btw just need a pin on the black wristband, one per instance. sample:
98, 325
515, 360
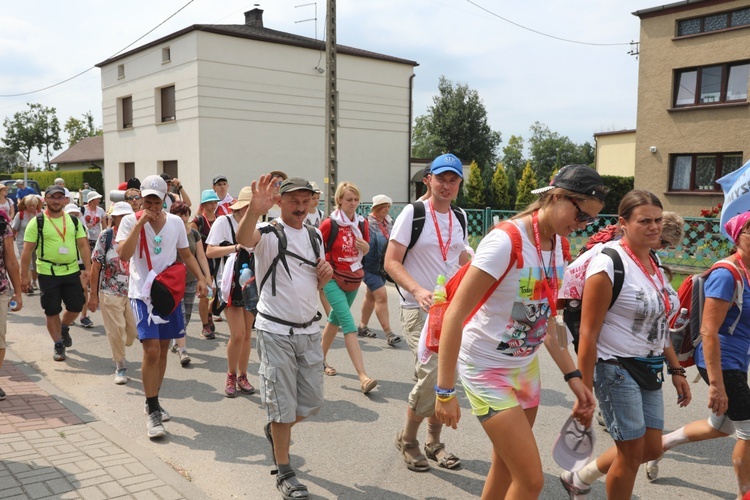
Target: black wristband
573, 374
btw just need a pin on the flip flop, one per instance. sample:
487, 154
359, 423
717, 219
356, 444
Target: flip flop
329, 370
368, 384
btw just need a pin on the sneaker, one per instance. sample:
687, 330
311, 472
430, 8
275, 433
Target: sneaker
184, 358
652, 469
86, 322
207, 332
164, 415
59, 352
576, 493
230, 388
2, 394
120, 376
34, 286
211, 324
30, 292
66, 340
154, 425
243, 385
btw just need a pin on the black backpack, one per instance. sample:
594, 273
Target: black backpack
278, 229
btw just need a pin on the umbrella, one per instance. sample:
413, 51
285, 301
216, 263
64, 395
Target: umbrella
736, 187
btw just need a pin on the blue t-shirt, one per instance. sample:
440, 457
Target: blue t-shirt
734, 348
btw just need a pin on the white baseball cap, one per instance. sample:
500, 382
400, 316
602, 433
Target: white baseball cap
154, 185
574, 445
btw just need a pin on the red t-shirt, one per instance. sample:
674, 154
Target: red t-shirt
343, 252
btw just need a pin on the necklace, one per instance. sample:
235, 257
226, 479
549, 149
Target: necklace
157, 244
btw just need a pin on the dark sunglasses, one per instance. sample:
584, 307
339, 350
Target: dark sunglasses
582, 216
135, 197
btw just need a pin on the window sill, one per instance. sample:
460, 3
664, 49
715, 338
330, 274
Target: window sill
694, 193
710, 106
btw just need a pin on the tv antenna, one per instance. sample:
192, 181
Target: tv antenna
315, 5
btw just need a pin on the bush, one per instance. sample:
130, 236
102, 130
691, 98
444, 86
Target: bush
74, 179
618, 186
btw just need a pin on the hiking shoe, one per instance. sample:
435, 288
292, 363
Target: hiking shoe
243, 385
211, 324
207, 333
154, 425
365, 332
164, 415
652, 469
86, 322
230, 388
59, 352
65, 332
34, 286
120, 376
184, 358
2, 394
392, 339
576, 493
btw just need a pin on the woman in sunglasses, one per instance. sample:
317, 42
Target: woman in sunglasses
623, 348
496, 349
133, 197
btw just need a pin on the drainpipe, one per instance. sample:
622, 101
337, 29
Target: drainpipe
408, 149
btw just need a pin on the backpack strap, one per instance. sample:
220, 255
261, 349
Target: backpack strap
278, 230
566, 249
417, 224
231, 228
739, 288
334, 232
460, 215
619, 278
108, 235
40, 237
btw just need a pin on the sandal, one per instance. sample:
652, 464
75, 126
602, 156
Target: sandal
329, 370
290, 487
368, 384
365, 332
447, 461
269, 436
392, 339
418, 463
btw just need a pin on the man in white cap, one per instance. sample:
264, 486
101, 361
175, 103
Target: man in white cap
152, 242
111, 287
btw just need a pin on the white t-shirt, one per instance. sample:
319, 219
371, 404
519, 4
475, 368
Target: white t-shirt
173, 237
424, 262
314, 218
221, 231
635, 325
93, 221
510, 327
296, 298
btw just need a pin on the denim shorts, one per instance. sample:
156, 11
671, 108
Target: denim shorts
373, 281
627, 409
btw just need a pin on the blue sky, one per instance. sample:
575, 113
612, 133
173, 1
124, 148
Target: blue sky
523, 77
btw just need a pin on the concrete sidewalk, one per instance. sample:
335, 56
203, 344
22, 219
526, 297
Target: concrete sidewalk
52, 448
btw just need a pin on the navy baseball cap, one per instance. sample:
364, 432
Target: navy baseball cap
447, 163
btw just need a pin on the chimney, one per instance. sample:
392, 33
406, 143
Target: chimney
254, 18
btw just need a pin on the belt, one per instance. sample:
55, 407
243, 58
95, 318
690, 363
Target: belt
609, 362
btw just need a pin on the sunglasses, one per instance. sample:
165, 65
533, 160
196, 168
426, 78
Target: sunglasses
582, 216
135, 197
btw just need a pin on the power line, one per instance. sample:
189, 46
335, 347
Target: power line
542, 33
113, 55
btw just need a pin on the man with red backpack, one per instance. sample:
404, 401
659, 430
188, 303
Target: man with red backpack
151, 240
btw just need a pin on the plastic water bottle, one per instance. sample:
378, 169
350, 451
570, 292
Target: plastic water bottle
12, 305
679, 330
437, 311
210, 293
245, 275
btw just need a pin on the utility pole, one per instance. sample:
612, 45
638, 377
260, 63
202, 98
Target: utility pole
331, 157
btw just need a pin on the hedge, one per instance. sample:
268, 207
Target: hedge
74, 179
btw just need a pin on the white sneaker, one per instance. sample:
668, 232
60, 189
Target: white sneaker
154, 426
121, 376
576, 493
652, 469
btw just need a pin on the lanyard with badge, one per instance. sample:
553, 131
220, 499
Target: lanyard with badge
549, 284
663, 291
443, 248
63, 250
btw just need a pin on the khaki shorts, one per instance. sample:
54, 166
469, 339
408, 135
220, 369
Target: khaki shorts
291, 375
422, 395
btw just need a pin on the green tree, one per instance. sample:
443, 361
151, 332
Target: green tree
36, 128
525, 186
514, 163
10, 160
501, 198
456, 122
80, 129
49, 127
475, 188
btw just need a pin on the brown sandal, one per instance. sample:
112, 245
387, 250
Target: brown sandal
329, 370
418, 463
447, 461
368, 384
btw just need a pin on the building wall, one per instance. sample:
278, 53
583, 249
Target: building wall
704, 130
615, 153
247, 107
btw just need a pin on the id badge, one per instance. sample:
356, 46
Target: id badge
63, 250
356, 266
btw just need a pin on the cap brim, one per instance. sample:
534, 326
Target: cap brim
542, 190
574, 445
237, 205
154, 192
301, 188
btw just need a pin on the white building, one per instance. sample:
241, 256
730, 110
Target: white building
242, 100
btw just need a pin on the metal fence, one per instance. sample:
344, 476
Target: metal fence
701, 246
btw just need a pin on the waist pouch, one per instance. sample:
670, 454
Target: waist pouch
647, 372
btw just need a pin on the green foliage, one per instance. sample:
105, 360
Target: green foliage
80, 129
550, 151
475, 188
514, 163
37, 127
618, 187
456, 123
501, 198
525, 186
74, 179
9, 160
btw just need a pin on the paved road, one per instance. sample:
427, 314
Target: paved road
347, 451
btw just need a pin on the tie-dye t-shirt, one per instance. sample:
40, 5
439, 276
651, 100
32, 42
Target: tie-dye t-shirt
511, 326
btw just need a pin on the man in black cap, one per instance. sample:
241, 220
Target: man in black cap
175, 190
62, 241
221, 187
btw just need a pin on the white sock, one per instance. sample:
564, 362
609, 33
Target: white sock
181, 349
587, 475
674, 438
